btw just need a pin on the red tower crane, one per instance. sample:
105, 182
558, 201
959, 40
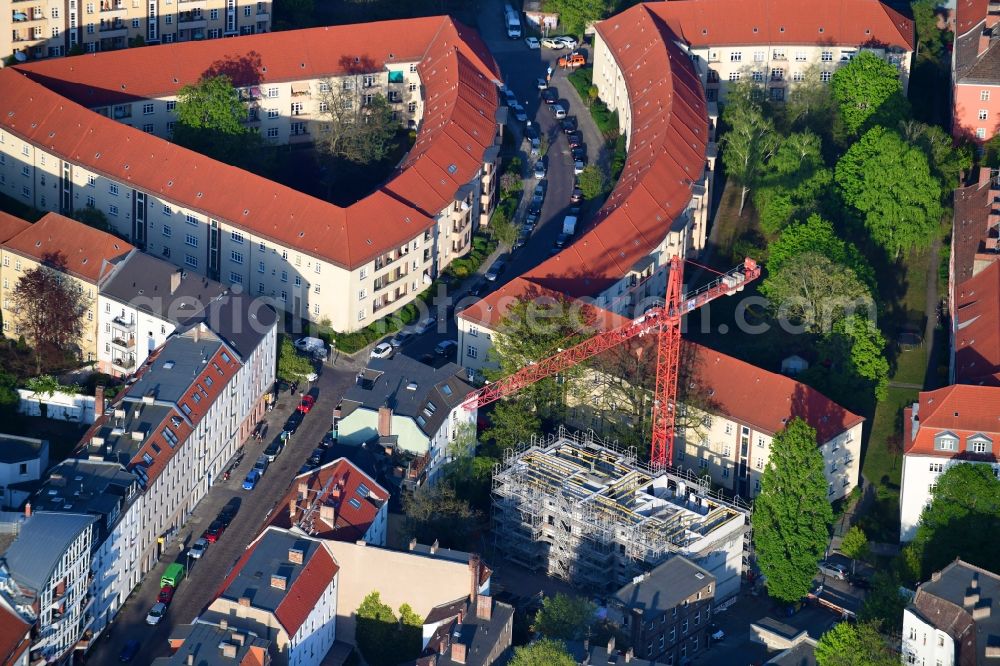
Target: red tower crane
663, 320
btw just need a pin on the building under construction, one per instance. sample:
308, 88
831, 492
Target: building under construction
592, 514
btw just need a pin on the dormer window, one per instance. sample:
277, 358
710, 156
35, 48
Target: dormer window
946, 442
979, 443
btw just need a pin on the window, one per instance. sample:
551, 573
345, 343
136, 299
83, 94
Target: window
171, 105
729, 428
758, 56
984, 95
26, 171
316, 289
213, 14
148, 109
260, 266
272, 113
703, 463
778, 54
272, 132
800, 56
91, 202
827, 56
979, 444
778, 94
168, 19
936, 467
284, 276
247, 11
777, 74
361, 315
363, 274
758, 462
946, 442
757, 76
236, 237
167, 231
760, 441
113, 189
317, 267
191, 261
147, 128
113, 211
980, 132
272, 91
734, 76
191, 239
191, 219
298, 281
983, 114
236, 278
362, 294
798, 76
283, 296
825, 76
315, 308
736, 56
472, 352
237, 257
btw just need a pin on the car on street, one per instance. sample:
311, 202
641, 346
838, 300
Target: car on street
214, 531
568, 124
522, 239
578, 167
561, 240
572, 60
273, 449
535, 207
567, 41
401, 338
833, 570
540, 169
861, 582
479, 288
229, 511
293, 422
554, 44
558, 111
519, 113
579, 153
577, 195
536, 147
129, 651
166, 594
542, 83
574, 211
425, 325
317, 456
550, 95
509, 94
530, 221
445, 347
381, 350
306, 468
495, 270
532, 42
261, 464
249, 483
156, 613
198, 549
306, 404
575, 139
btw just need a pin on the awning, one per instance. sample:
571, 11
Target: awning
300, 88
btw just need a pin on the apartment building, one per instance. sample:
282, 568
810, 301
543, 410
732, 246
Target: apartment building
23, 461
950, 620
84, 255
666, 611
15, 636
975, 80
955, 424
35, 29
578, 509
215, 645
408, 407
347, 265
44, 578
284, 590
474, 631
112, 495
337, 502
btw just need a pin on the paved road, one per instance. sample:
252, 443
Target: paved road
206, 574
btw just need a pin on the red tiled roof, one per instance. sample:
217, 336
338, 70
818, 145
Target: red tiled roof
973, 204
960, 409
703, 23
14, 636
341, 476
977, 328
456, 71
88, 251
11, 226
306, 590
969, 14
764, 400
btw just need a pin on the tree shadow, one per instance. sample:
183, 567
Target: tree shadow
243, 70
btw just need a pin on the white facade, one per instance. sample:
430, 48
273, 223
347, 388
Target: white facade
27, 468
925, 644
920, 473
127, 334
316, 635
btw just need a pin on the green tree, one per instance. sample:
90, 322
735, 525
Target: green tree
795, 182
749, 140
381, 638
502, 228
543, 652
815, 292
564, 616
810, 105
817, 235
592, 181
863, 353
294, 14
211, 119
868, 89
576, 15
10, 399
884, 604
512, 422
436, 513
848, 644
960, 521
854, 545
471, 477
791, 514
947, 161
890, 184
925, 21
292, 366
362, 132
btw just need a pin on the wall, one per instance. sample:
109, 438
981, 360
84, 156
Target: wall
315, 637
126, 335
11, 472
60, 406
968, 107
925, 643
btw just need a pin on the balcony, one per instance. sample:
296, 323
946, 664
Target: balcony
123, 342
123, 324
113, 8
27, 17
192, 20
125, 362
115, 28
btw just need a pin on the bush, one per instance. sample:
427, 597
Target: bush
581, 80
605, 119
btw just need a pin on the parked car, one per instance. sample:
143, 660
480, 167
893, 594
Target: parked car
317, 456
550, 95
579, 153
156, 613
522, 239
293, 422
568, 124
833, 570
575, 139
230, 510
214, 531
572, 60
519, 114
479, 288
530, 221
425, 325
532, 42
561, 240
445, 347
249, 483
554, 44
401, 338
495, 270
273, 449
306, 468
578, 166
861, 582
198, 549
540, 169
558, 111
129, 651
166, 595
577, 195
261, 464
536, 147
381, 350
535, 207
567, 41
306, 404
542, 83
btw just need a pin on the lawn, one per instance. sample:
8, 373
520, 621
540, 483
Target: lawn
882, 465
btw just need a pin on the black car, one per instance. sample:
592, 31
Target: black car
568, 124
129, 652
293, 422
273, 449
317, 456
575, 139
229, 511
861, 582
550, 96
577, 195
579, 153
535, 207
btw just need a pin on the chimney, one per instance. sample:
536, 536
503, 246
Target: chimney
328, 514
611, 645
244, 601
982, 611
984, 42
474, 577
295, 555
629, 653
484, 607
238, 638
224, 624
98, 401
293, 506
985, 173
190, 659
458, 652
413, 543
434, 547
444, 644
278, 581
175, 281
384, 421
229, 650
27, 509
971, 597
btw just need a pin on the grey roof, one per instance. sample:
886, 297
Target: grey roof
40, 544
665, 586
941, 601
84, 486
407, 385
270, 556
205, 641
477, 634
15, 449
241, 320
802, 653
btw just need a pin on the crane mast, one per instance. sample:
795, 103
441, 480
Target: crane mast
665, 321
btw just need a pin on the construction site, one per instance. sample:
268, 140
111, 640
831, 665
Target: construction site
590, 513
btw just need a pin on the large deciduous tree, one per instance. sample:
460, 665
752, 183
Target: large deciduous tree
292, 366
356, 130
848, 644
544, 652
576, 15
815, 234
436, 513
791, 514
868, 89
564, 616
211, 119
592, 181
794, 183
890, 184
749, 139
49, 308
383, 639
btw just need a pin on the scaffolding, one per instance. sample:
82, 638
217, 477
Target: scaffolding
590, 513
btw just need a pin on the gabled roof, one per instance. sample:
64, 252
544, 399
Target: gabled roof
15, 635
961, 410
970, 19
977, 328
11, 226
90, 253
355, 496
456, 72
970, 224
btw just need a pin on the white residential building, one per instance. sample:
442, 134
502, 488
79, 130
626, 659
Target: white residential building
23, 460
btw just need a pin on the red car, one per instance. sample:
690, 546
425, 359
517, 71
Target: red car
307, 403
214, 531
166, 594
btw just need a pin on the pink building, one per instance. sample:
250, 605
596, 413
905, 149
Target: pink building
976, 70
